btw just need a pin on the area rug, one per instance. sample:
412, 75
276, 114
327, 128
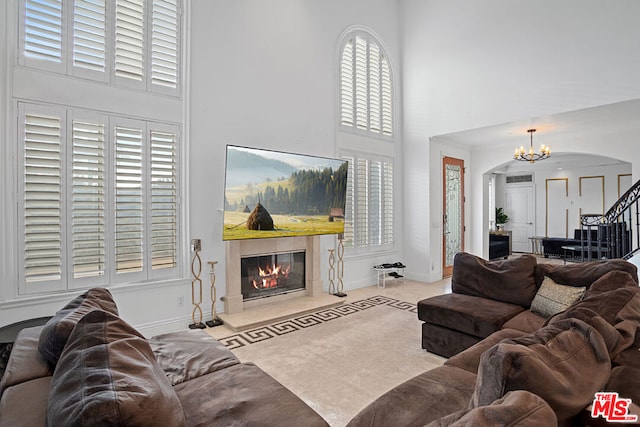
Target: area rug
340, 359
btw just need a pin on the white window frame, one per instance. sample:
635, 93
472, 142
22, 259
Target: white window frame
67, 281
367, 213
109, 76
350, 68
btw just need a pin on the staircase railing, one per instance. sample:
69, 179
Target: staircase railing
616, 234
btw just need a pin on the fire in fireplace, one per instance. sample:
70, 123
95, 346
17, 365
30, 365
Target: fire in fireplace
272, 274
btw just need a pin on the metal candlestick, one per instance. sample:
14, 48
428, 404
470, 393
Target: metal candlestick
340, 293
196, 279
215, 320
332, 271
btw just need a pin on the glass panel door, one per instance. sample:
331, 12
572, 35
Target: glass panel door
453, 212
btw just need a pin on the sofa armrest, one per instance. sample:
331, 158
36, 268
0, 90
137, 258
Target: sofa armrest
25, 363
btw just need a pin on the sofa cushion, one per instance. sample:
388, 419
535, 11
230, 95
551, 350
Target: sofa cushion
564, 363
616, 340
583, 274
517, 408
469, 359
511, 281
107, 375
25, 404
57, 330
527, 321
26, 362
554, 298
610, 281
445, 342
187, 355
420, 400
472, 315
243, 395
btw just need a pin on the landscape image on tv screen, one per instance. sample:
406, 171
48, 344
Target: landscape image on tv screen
277, 194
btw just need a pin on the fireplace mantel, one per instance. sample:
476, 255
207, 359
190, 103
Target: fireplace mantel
238, 249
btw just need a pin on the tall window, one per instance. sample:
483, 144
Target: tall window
88, 224
369, 207
97, 189
366, 90
366, 120
132, 43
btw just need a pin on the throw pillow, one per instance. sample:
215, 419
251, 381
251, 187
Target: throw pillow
511, 281
564, 363
56, 331
553, 298
107, 375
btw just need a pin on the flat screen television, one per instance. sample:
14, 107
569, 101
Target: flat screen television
276, 194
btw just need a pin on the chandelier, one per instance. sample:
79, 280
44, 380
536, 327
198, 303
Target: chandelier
531, 156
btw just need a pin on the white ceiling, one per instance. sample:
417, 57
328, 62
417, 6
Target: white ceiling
601, 122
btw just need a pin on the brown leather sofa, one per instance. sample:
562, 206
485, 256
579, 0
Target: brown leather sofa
530, 370
87, 366
488, 296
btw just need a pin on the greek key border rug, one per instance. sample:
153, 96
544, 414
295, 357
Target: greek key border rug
299, 323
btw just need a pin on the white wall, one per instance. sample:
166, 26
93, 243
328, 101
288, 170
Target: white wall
469, 64
264, 74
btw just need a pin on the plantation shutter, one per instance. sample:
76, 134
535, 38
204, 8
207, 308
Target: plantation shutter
361, 83
129, 201
387, 203
88, 200
361, 217
43, 30
375, 86
89, 34
164, 43
366, 91
42, 257
349, 205
129, 39
386, 90
346, 85
164, 201
375, 207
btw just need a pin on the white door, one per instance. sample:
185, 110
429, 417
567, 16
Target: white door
520, 207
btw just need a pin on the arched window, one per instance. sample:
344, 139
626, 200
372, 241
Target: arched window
366, 89
365, 114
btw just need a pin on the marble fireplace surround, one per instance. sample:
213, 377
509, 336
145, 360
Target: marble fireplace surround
238, 249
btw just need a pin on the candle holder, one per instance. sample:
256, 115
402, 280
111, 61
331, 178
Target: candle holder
215, 320
332, 271
196, 270
340, 293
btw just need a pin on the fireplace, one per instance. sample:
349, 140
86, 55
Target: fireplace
301, 254
272, 274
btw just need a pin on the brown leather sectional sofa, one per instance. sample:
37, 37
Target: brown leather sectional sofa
509, 365
89, 367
